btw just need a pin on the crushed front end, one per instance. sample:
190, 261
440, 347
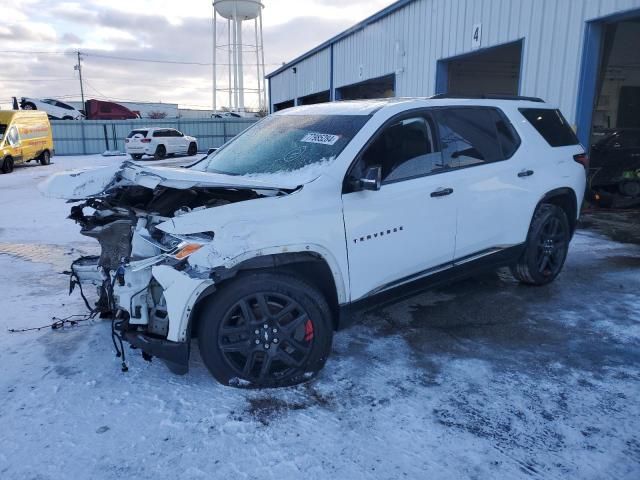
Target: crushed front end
143, 277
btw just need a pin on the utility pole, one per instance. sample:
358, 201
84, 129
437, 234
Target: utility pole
78, 67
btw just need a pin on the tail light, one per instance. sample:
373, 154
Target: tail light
582, 159
146, 140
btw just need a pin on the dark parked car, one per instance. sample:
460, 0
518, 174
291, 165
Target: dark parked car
615, 165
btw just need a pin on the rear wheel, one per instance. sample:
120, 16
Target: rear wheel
193, 149
267, 329
45, 158
7, 165
28, 106
161, 152
546, 246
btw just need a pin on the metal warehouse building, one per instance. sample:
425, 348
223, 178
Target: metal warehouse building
582, 55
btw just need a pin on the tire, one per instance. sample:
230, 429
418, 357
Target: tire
285, 351
629, 188
45, 158
192, 150
136, 156
7, 165
546, 246
161, 152
29, 106
67, 117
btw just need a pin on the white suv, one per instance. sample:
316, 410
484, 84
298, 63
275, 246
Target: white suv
262, 248
159, 142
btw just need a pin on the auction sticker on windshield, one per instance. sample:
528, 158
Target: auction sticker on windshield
323, 138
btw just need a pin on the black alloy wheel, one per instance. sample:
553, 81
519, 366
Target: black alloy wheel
546, 246
552, 247
266, 330
266, 336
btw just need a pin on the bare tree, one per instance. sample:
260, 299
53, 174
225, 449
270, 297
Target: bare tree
157, 115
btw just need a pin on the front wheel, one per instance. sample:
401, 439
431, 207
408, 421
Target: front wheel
7, 165
193, 149
546, 246
136, 156
265, 330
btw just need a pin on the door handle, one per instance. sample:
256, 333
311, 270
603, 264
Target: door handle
442, 192
525, 173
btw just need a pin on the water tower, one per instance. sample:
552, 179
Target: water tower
237, 13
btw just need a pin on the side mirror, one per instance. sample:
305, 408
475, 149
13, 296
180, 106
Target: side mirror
211, 150
372, 179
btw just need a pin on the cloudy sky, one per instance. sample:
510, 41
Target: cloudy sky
38, 39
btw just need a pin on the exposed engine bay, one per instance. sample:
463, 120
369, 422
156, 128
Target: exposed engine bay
165, 236
112, 219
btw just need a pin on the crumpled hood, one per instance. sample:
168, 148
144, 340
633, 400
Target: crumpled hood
92, 182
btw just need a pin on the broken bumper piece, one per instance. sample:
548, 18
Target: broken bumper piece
157, 302
174, 354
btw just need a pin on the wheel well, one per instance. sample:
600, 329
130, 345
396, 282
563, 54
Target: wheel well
565, 198
309, 267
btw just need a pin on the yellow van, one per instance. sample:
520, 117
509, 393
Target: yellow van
24, 136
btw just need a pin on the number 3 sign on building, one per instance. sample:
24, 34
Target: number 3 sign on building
476, 38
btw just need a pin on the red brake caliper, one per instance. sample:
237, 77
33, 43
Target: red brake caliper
308, 331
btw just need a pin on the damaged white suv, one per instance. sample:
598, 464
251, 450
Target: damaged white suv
261, 248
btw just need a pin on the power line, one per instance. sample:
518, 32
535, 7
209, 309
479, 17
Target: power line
124, 58
157, 60
33, 52
52, 79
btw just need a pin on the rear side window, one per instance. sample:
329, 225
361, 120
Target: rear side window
551, 125
160, 133
507, 136
468, 136
137, 132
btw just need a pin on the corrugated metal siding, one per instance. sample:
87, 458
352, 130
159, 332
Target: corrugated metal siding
312, 76
411, 40
88, 136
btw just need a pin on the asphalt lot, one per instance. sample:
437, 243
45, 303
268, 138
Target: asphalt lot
482, 379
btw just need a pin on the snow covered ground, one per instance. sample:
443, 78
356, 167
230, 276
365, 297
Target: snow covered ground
484, 379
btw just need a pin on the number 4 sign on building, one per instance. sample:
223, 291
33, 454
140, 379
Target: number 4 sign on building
476, 38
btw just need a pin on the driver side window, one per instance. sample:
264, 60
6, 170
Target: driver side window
405, 149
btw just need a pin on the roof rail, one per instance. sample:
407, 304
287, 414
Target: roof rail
488, 96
